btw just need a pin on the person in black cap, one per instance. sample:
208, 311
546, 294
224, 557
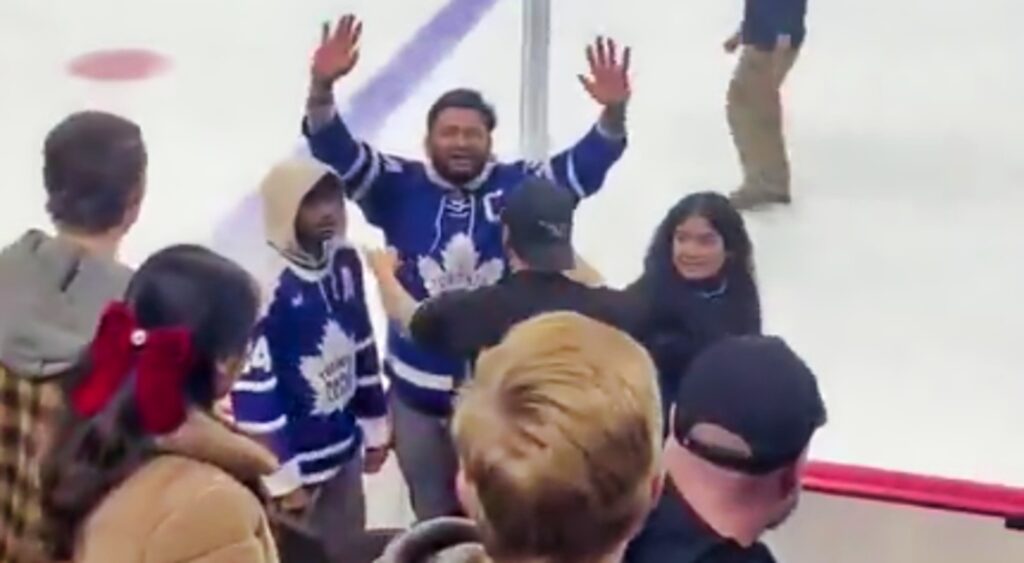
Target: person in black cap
547, 276
740, 430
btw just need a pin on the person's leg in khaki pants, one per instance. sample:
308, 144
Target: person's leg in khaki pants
754, 112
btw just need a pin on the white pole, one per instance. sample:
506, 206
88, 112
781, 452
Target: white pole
533, 96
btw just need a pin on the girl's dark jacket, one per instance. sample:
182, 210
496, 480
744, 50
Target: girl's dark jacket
685, 317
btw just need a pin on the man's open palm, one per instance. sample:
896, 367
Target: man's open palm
608, 82
338, 53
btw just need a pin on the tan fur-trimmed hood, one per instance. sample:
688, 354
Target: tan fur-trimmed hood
283, 189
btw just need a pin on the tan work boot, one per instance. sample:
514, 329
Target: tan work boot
746, 199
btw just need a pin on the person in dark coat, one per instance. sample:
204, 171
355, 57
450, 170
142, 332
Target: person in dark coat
698, 288
698, 284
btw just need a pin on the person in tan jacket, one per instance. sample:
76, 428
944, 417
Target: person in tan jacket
141, 469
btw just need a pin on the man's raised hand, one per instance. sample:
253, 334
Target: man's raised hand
338, 53
608, 81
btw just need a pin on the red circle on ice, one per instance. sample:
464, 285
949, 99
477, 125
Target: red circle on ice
119, 65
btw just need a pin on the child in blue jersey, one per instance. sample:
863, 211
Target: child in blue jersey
443, 218
312, 388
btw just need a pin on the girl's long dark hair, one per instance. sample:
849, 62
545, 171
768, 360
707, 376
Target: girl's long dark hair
182, 286
724, 218
681, 322
743, 311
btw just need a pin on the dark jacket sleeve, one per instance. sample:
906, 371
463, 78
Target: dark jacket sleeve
787, 16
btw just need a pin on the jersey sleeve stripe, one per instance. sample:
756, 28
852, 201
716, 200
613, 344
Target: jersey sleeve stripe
359, 162
421, 378
370, 380
369, 178
263, 427
259, 386
574, 181
329, 451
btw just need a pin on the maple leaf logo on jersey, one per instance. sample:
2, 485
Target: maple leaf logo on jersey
458, 268
331, 372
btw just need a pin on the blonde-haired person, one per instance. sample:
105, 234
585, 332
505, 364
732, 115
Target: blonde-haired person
558, 438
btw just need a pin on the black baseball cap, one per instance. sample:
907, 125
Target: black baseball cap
538, 215
758, 389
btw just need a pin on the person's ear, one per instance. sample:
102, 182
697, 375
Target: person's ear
657, 485
466, 493
789, 480
134, 208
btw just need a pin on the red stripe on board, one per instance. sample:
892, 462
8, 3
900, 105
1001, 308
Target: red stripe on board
915, 490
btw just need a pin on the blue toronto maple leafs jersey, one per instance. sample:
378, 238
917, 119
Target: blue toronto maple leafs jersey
313, 374
447, 237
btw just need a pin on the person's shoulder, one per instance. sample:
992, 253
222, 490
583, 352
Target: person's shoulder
205, 510
173, 491
196, 482
627, 298
506, 175
36, 256
439, 539
408, 168
278, 284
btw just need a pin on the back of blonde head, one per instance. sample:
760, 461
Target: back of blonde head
559, 438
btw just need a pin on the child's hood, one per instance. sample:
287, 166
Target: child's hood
283, 189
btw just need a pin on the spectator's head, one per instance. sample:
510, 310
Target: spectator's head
94, 171
321, 215
537, 219
459, 127
743, 419
558, 437
303, 207
210, 297
702, 237
177, 343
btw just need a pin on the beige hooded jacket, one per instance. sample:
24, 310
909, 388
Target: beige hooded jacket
283, 190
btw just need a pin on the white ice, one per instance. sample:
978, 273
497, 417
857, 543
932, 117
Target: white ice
897, 273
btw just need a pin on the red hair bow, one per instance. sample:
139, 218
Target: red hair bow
160, 360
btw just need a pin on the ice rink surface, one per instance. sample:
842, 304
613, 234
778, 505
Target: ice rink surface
898, 272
